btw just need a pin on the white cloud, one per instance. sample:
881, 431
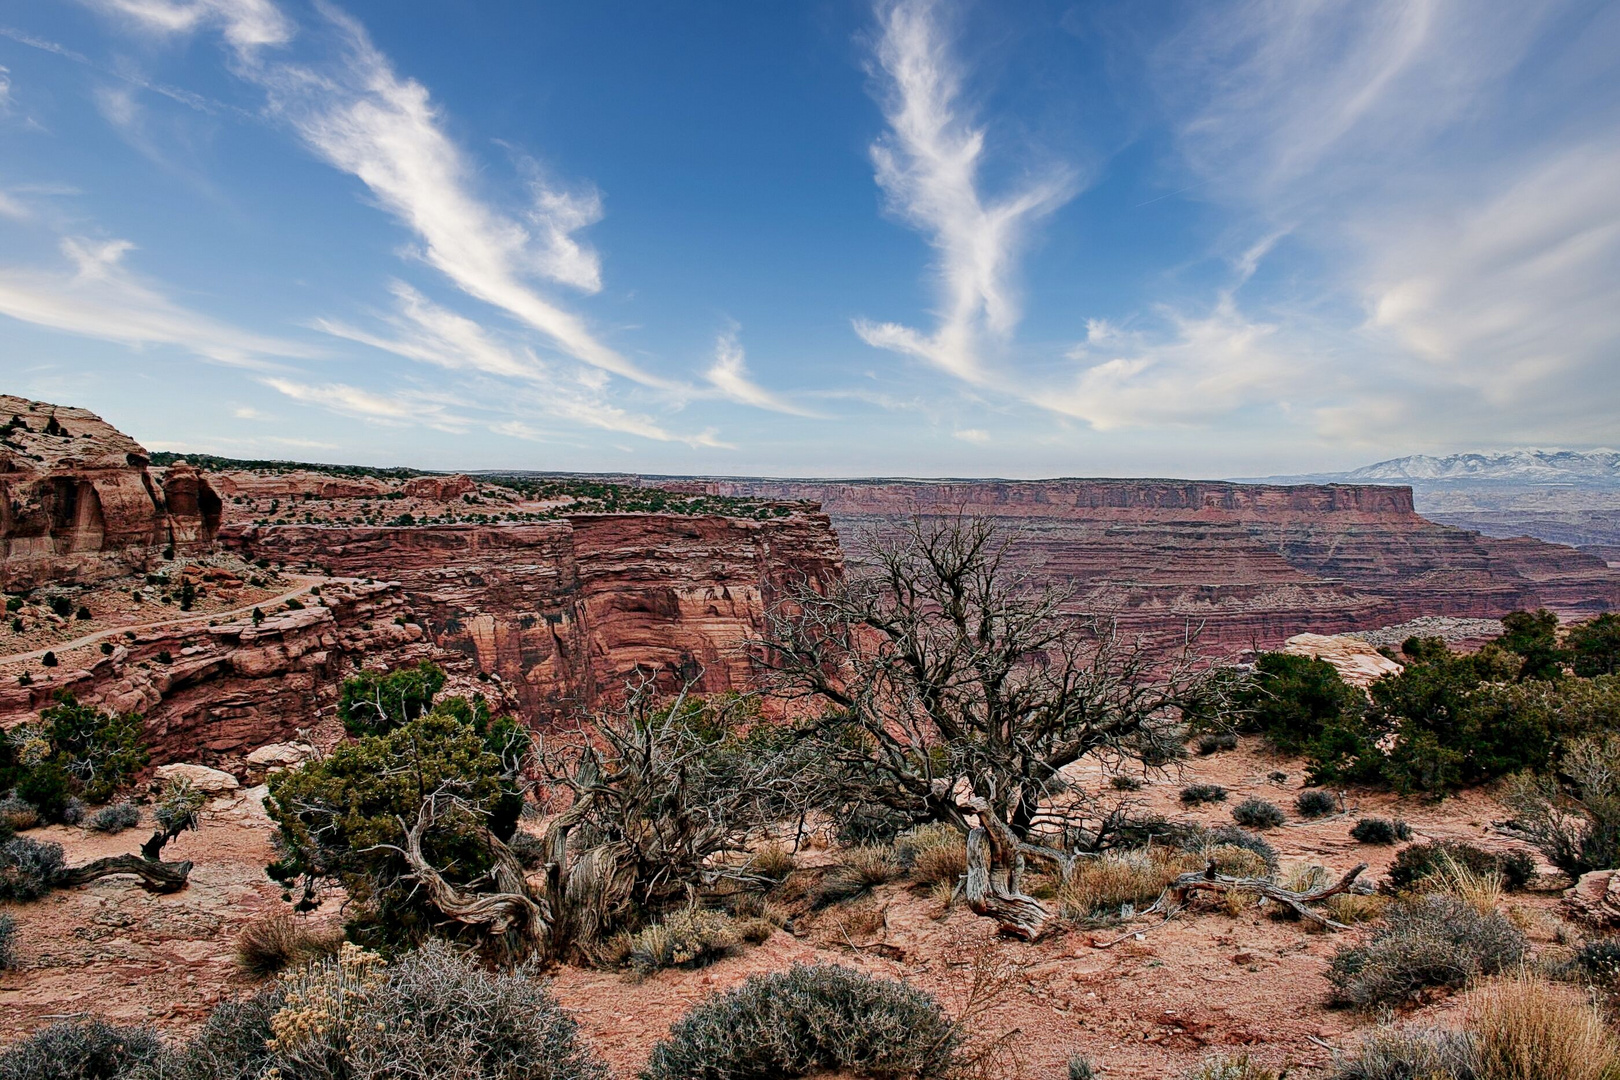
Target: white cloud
928, 166
729, 375
1199, 369
431, 334
102, 299
247, 25
976, 436
364, 119
398, 409
5, 89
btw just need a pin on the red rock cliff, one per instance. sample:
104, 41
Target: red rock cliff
78, 503
1249, 563
562, 612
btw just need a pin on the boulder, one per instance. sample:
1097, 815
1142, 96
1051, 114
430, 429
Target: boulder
277, 757
1594, 900
210, 782
1357, 662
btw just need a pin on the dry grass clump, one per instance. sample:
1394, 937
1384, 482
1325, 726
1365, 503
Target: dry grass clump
1530, 1029
1105, 887
1435, 941
84, 1049
1411, 1054
1479, 889
687, 939
773, 861
1234, 861
935, 852
859, 871
1352, 908
270, 944
1221, 1067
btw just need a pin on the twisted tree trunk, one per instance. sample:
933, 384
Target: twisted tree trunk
995, 868
156, 876
510, 913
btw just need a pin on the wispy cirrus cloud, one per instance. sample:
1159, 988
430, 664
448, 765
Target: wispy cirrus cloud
729, 375
101, 298
363, 118
928, 165
394, 409
247, 25
429, 333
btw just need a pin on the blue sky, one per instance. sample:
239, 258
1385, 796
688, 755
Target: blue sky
921, 237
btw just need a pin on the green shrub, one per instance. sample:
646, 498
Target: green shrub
1378, 830
1197, 794
1214, 741
1204, 841
73, 750
1432, 941
8, 932
1411, 1054
439, 1014
1125, 782
373, 703
807, 1020
1415, 865
1315, 803
1594, 647
334, 813
28, 868
116, 817
1258, 814
1598, 961
82, 1050
231, 1044
1291, 699
1080, 1068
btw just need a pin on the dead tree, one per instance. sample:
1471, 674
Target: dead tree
662, 797
176, 812
954, 689
1209, 881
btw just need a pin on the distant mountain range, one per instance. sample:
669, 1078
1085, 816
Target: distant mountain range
1534, 468
1563, 496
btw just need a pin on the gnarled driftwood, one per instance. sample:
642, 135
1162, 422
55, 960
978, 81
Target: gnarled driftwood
1209, 881
156, 876
994, 886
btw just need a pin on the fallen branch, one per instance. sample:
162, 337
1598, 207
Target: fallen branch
156, 876
1210, 881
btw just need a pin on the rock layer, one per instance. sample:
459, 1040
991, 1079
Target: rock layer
562, 613
1245, 564
211, 694
78, 503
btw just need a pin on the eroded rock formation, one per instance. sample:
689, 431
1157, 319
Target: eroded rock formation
1249, 564
562, 612
211, 694
79, 504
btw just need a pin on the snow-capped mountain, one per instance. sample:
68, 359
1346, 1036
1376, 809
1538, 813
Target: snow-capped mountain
1578, 467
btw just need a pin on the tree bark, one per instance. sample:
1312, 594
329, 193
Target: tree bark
994, 868
156, 875
1209, 881
509, 912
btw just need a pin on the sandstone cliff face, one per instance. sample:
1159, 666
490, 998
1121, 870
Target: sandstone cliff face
212, 694
561, 613
1251, 564
78, 503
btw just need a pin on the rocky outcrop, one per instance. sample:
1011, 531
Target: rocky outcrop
79, 504
1594, 900
561, 613
1357, 662
212, 694
439, 488
1244, 564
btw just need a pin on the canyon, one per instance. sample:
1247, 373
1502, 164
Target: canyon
1239, 565
547, 596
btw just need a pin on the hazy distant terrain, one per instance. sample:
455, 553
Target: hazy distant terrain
1563, 496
